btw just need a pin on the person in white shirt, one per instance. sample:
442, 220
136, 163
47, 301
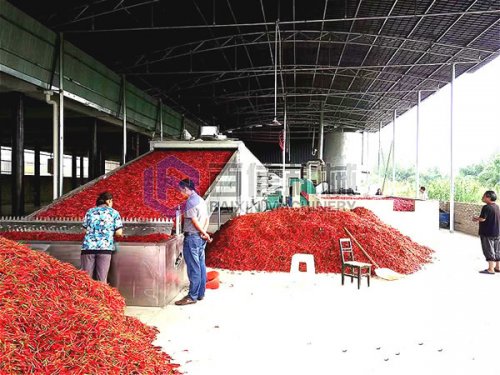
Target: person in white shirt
422, 194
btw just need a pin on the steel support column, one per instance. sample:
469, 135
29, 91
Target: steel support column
137, 145
17, 185
102, 163
60, 157
55, 141
379, 146
393, 152
321, 132
367, 157
93, 156
452, 173
363, 141
124, 136
276, 71
161, 120
82, 169
1, 176
283, 155
417, 151
37, 180
74, 179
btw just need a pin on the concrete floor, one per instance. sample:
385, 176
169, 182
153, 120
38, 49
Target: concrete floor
441, 320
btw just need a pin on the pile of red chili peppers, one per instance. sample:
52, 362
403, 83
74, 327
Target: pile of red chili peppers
55, 320
266, 241
404, 204
54, 236
128, 185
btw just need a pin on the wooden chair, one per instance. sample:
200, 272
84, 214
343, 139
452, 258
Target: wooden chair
351, 268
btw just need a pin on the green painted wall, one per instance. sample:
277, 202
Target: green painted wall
29, 51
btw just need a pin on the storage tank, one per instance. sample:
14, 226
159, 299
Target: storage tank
342, 156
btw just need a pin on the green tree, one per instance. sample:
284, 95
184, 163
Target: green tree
431, 174
471, 170
470, 183
405, 174
490, 175
467, 190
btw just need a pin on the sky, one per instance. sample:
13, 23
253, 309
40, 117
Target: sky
476, 124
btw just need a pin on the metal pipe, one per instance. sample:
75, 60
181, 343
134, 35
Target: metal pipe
82, 174
74, 180
119, 8
321, 139
1, 177
452, 174
289, 142
367, 158
60, 158
305, 69
301, 22
363, 140
379, 146
124, 138
55, 138
161, 120
393, 151
305, 37
314, 150
283, 154
276, 72
93, 156
417, 171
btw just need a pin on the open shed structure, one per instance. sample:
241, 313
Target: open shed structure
115, 96
158, 68
354, 61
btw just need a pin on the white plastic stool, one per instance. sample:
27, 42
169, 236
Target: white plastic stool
308, 259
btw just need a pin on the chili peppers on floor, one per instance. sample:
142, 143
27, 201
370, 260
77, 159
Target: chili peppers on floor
55, 320
266, 241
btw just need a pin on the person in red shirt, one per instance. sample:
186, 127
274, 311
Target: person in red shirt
489, 232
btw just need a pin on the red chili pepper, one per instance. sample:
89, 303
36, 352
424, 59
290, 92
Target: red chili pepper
266, 241
75, 325
128, 185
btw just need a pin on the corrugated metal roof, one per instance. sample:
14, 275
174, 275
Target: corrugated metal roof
359, 60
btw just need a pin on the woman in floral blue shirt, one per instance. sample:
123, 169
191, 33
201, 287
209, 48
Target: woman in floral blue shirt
101, 224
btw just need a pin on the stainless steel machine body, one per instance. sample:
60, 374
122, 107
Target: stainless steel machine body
145, 274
